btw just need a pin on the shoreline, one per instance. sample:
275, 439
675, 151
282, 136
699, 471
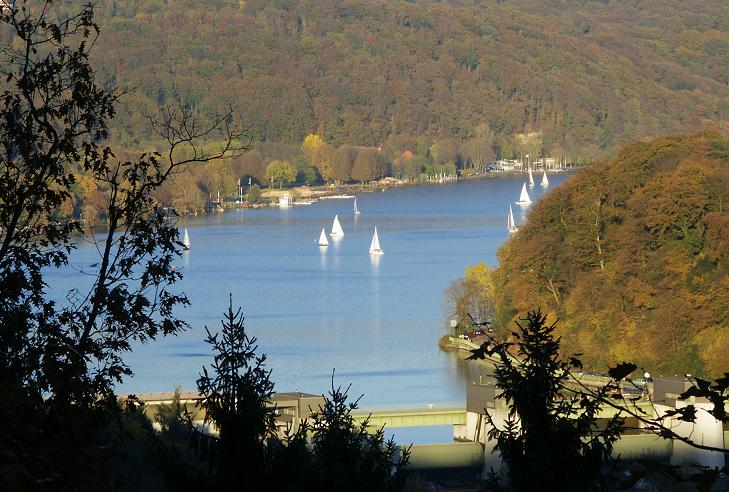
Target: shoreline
307, 195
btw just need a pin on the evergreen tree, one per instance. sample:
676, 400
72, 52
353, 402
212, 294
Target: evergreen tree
236, 397
343, 454
550, 440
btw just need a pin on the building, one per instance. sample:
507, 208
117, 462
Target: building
285, 201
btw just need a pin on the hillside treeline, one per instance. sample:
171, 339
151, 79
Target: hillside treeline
633, 257
266, 165
584, 76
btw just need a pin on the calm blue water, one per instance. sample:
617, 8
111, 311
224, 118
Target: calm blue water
376, 320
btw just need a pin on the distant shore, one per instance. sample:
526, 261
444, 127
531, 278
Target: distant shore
270, 196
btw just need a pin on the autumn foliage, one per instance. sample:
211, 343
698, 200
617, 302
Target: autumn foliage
633, 256
591, 75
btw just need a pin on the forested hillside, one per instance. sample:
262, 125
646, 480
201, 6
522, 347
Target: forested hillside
633, 256
588, 75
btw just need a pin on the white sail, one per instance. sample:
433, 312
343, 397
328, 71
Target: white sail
375, 248
337, 227
186, 240
356, 210
531, 178
323, 238
545, 181
524, 198
510, 221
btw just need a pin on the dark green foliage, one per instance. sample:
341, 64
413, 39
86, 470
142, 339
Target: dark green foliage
343, 454
550, 440
236, 396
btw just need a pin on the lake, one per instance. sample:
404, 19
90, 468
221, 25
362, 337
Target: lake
376, 320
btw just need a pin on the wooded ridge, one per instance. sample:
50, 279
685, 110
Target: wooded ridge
586, 76
633, 257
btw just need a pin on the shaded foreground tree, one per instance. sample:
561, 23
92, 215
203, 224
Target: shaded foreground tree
335, 452
59, 361
236, 396
550, 440
332, 451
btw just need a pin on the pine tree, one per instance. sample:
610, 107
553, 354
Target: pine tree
236, 395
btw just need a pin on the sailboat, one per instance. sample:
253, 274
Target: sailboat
323, 238
356, 210
186, 240
337, 227
531, 179
545, 181
524, 198
375, 248
510, 222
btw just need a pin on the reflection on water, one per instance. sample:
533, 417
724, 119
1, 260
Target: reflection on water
323, 257
376, 319
186, 258
469, 371
375, 263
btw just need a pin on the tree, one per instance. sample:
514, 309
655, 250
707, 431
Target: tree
407, 165
323, 160
549, 440
550, 407
343, 454
305, 173
662, 201
443, 152
281, 171
369, 164
60, 361
251, 165
342, 163
471, 298
311, 144
478, 150
236, 394
254, 193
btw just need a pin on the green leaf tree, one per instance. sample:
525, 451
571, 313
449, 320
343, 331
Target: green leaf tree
281, 171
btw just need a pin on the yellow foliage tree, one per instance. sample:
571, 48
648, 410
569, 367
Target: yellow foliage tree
472, 297
482, 276
311, 144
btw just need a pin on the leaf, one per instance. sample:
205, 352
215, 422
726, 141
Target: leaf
685, 414
622, 370
480, 353
703, 385
692, 391
722, 384
718, 412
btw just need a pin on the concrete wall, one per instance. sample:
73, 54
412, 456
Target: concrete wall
635, 446
706, 431
454, 455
